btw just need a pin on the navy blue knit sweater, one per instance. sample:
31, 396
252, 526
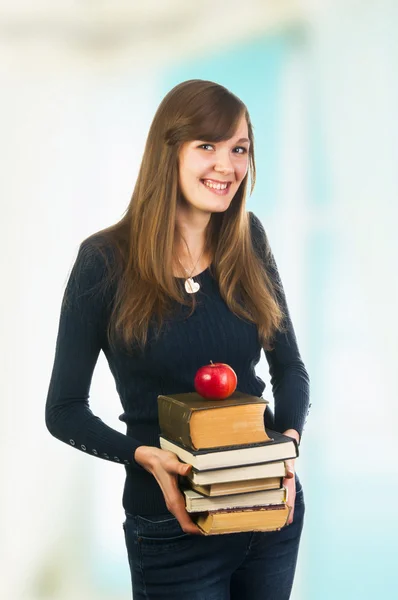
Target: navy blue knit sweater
166, 366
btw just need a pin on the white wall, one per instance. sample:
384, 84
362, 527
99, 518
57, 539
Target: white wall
75, 109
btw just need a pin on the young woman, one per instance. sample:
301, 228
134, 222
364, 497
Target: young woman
185, 277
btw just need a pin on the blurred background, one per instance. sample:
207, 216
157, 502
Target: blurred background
80, 82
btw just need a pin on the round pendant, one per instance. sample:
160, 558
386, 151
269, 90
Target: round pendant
191, 286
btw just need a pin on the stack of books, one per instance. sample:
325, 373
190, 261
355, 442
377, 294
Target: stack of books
237, 465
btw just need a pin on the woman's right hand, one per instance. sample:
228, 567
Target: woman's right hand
166, 467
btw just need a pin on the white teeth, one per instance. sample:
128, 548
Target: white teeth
216, 186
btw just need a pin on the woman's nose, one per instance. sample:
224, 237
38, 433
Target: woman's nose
223, 166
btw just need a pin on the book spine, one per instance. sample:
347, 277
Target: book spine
174, 421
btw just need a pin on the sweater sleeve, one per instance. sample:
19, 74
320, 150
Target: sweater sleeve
82, 329
289, 377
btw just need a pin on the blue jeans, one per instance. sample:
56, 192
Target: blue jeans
167, 563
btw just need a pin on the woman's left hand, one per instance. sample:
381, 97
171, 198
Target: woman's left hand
289, 482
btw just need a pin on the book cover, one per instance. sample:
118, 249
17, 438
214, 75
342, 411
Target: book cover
237, 487
268, 518
236, 474
198, 423
196, 502
279, 447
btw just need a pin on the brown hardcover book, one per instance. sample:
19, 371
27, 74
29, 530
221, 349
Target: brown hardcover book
196, 502
198, 424
237, 487
268, 518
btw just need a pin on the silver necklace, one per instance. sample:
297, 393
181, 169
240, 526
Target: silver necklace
190, 284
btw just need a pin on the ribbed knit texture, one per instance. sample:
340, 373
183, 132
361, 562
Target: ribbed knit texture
167, 366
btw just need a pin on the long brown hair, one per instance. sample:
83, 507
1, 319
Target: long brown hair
144, 239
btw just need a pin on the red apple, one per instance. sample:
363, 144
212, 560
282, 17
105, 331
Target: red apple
215, 381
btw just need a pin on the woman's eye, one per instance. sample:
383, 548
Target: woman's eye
237, 150
240, 149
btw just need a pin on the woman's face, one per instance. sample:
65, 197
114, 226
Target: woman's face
210, 173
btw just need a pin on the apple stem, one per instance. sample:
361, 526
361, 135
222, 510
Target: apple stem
211, 362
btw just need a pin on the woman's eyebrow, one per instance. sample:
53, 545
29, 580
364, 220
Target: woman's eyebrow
240, 141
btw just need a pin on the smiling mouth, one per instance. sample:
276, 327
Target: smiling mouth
217, 188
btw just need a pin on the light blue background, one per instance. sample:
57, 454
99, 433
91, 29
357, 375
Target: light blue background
345, 552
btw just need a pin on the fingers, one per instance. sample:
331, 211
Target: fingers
183, 469
290, 485
179, 511
289, 469
171, 463
174, 499
289, 474
166, 467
